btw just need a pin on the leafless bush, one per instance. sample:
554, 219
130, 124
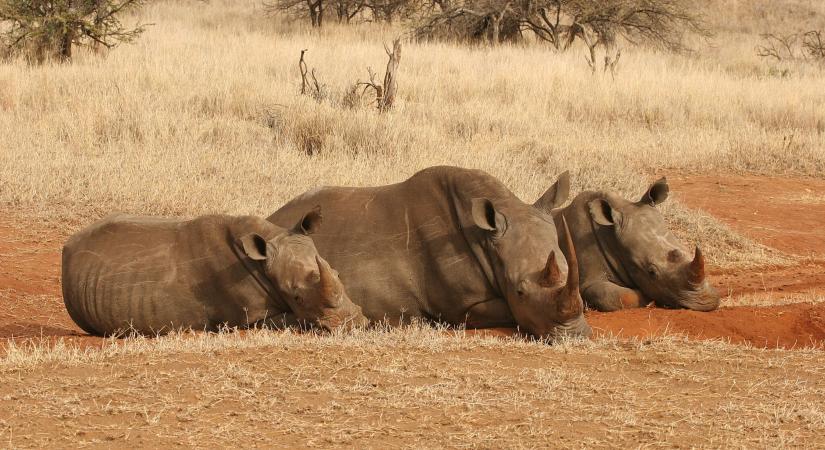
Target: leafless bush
309, 82
384, 94
813, 45
778, 47
804, 46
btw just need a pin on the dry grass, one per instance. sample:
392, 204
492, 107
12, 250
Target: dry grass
202, 115
416, 387
773, 298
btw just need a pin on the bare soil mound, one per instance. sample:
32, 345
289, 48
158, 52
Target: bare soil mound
786, 214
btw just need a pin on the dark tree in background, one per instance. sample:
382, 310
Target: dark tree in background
50, 28
314, 9
659, 23
345, 10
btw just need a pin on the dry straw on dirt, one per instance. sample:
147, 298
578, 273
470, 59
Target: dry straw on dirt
413, 387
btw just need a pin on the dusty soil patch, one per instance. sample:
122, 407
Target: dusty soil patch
787, 214
807, 276
30, 300
29, 256
412, 388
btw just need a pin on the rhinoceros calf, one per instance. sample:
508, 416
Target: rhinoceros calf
452, 245
152, 275
628, 257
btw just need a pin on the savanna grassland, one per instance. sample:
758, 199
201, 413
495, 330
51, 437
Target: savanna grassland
203, 114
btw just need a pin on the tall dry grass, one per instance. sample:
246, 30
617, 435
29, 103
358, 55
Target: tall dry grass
202, 114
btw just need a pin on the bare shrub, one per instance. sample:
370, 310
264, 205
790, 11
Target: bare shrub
813, 45
804, 46
778, 47
384, 94
309, 82
42, 29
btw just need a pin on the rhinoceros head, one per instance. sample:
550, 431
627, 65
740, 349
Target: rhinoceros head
650, 254
305, 280
540, 285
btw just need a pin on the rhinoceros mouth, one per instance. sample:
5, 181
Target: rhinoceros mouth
577, 328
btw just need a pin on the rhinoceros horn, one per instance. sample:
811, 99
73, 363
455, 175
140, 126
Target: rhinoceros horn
329, 292
551, 274
571, 290
696, 270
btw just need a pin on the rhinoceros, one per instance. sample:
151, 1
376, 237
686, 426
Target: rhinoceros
628, 257
153, 275
450, 245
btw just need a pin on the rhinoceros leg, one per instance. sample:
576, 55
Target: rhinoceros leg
489, 314
606, 296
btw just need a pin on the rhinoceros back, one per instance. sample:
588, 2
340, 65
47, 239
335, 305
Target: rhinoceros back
401, 248
125, 273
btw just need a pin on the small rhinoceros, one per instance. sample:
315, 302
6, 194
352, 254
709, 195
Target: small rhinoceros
154, 275
628, 257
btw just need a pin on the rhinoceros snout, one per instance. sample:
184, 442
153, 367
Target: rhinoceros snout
707, 300
577, 328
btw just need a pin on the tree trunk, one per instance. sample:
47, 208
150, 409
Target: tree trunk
390, 81
65, 49
314, 13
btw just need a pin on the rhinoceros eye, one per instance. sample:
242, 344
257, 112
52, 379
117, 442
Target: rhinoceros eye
653, 271
521, 290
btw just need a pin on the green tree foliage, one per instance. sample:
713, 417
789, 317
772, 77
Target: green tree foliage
44, 29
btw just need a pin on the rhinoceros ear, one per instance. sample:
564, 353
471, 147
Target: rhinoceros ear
656, 193
254, 246
556, 195
487, 218
310, 223
603, 213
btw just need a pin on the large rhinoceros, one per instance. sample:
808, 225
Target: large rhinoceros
152, 275
452, 245
628, 257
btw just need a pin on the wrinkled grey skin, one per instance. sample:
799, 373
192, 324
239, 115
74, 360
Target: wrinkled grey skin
628, 257
151, 276
451, 245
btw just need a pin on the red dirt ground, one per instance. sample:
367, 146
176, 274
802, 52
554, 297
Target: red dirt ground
787, 214
31, 306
